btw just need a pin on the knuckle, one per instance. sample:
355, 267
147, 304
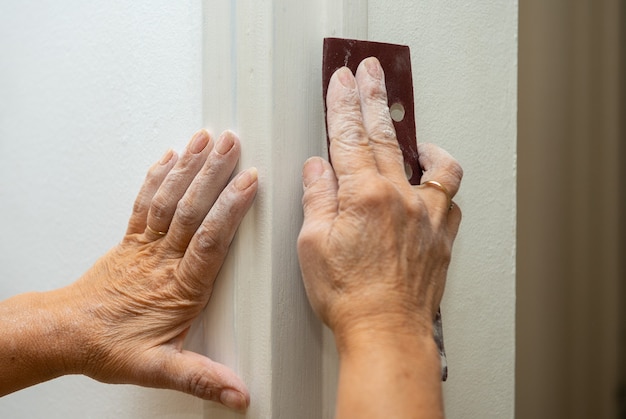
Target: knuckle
382, 128
309, 238
152, 177
187, 213
340, 102
383, 197
347, 125
140, 205
453, 174
312, 197
379, 193
207, 242
201, 386
455, 170
384, 135
160, 206
415, 208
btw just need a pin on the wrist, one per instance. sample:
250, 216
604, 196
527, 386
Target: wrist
37, 342
409, 332
356, 325
61, 331
398, 367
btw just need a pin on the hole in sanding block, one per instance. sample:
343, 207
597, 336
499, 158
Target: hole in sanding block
408, 170
397, 112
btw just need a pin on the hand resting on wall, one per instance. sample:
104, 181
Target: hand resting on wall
125, 320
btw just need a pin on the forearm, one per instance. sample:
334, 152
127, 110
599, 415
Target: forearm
34, 340
389, 375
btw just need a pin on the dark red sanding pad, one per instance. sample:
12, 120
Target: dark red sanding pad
396, 62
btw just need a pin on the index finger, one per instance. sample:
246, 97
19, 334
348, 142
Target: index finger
350, 149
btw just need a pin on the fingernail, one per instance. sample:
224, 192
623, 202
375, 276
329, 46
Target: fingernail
166, 157
346, 78
225, 142
313, 170
199, 141
246, 179
233, 399
373, 68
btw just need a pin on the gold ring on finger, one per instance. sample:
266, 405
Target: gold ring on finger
443, 189
155, 232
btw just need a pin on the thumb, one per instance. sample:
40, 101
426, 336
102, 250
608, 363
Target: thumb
320, 190
198, 375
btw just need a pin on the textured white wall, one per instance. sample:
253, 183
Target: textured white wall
91, 93
464, 56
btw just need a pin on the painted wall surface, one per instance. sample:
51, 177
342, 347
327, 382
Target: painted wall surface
464, 57
91, 94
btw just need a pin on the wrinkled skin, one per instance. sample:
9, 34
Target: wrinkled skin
372, 244
140, 299
373, 249
374, 252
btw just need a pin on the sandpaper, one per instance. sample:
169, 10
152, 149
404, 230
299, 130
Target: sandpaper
396, 63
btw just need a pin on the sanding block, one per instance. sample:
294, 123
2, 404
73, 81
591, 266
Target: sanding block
396, 63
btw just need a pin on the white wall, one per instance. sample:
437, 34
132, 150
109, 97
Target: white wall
464, 56
91, 94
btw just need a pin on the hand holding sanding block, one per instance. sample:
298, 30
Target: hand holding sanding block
396, 63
